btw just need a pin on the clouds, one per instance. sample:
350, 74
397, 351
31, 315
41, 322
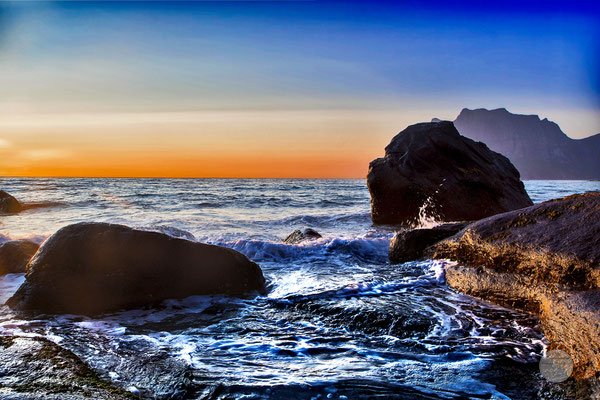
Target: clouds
43, 154
4, 144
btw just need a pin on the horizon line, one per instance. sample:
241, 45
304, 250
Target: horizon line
169, 177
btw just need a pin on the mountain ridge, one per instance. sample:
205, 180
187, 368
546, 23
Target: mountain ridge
537, 147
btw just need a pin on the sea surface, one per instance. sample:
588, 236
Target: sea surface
337, 322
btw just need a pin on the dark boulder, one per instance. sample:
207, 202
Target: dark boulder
92, 268
8, 204
457, 178
545, 259
299, 236
15, 254
410, 245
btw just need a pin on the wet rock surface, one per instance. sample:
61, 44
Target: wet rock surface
15, 254
8, 204
409, 245
543, 259
93, 268
432, 164
35, 368
299, 236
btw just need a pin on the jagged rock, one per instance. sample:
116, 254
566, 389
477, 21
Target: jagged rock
15, 254
92, 268
544, 259
35, 368
8, 204
431, 164
299, 236
409, 245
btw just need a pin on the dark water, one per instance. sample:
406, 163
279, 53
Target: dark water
338, 321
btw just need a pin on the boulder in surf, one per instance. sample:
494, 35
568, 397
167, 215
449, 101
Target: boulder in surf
300, 236
8, 204
93, 268
430, 165
15, 254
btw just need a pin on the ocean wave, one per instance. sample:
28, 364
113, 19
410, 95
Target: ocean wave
364, 248
170, 230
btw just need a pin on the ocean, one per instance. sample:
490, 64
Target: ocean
338, 320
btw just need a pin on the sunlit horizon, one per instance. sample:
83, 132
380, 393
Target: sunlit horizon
272, 90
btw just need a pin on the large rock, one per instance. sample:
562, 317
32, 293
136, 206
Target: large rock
432, 165
410, 245
15, 254
8, 204
545, 259
92, 268
35, 368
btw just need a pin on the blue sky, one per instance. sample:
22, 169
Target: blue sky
405, 60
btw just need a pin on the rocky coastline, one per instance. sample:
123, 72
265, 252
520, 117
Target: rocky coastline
542, 259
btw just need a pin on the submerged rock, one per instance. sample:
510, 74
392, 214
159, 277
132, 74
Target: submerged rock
544, 259
35, 368
299, 236
8, 204
92, 268
15, 254
410, 245
457, 178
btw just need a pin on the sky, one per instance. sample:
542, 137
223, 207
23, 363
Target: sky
272, 89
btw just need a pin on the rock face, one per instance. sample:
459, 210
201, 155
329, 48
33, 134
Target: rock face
432, 164
544, 259
8, 204
409, 245
299, 236
15, 254
538, 148
35, 368
92, 268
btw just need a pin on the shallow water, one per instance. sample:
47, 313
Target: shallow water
337, 322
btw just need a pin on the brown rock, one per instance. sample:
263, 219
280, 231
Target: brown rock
92, 268
15, 254
8, 204
409, 245
544, 259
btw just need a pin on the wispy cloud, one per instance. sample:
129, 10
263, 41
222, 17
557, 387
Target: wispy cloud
4, 144
44, 154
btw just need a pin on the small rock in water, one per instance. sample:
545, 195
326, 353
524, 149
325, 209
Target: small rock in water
410, 245
8, 204
15, 254
299, 236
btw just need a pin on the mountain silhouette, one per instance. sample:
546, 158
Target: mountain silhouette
538, 148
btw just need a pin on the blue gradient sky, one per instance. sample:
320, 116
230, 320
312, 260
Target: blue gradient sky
65, 67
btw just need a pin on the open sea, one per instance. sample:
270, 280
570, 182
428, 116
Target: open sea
338, 321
